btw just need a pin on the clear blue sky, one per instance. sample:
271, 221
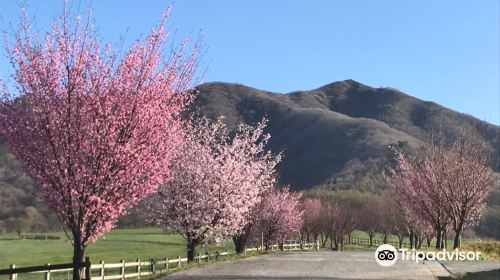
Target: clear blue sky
442, 51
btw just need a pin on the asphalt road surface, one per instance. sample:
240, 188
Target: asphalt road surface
314, 265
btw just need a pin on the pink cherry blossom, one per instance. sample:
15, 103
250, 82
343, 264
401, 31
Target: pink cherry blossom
94, 129
311, 227
278, 216
217, 182
446, 186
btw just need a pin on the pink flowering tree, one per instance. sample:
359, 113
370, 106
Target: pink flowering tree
369, 219
400, 220
278, 215
339, 220
406, 222
444, 186
94, 130
311, 227
468, 184
217, 182
415, 183
423, 230
241, 238
387, 213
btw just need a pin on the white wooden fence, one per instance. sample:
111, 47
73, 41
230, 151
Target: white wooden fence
140, 268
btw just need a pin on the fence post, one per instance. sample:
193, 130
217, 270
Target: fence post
101, 270
47, 273
166, 264
208, 256
14, 275
88, 273
178, 261
122, 269
153, 266
199, 259
138, 269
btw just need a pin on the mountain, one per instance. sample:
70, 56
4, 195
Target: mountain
333, 137
20, 209
337, 136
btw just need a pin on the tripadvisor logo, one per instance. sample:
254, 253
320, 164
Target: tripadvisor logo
387, 255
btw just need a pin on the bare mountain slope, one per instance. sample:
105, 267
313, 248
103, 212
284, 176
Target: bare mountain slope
338, 135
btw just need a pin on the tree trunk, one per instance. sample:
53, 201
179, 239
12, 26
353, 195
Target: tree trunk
458, 240
429, 239
400, 239
239, 244
445, 240
411, 239
335, 244
78, 258
324, 239
458, 228
371, 239
191, 250
240, 241
439, 235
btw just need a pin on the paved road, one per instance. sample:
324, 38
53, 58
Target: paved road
314, 265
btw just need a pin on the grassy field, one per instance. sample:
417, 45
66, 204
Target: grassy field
394, 238
127, 244
490, 250
364, 235
147, 243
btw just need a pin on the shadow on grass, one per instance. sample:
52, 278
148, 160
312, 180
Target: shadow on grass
483, 275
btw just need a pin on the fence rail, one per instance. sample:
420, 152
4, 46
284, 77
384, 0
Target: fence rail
13, 271
377, 242
111, 271
39, 236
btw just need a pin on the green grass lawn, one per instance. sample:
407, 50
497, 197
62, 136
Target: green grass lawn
364, 235
127, 244
130, 244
